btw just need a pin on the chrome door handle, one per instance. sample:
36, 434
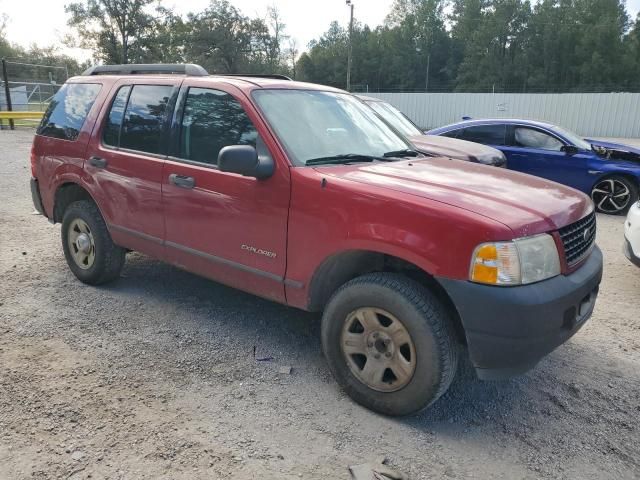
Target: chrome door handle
182, 181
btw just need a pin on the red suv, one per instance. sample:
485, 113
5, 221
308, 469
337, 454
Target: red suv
299, 193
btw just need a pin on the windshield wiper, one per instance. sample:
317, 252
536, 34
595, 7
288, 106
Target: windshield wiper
402, 153
345, 158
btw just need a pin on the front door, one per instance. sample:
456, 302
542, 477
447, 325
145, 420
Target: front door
227, 227
539, 153
125, 162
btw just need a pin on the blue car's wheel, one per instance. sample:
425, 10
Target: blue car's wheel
614, 195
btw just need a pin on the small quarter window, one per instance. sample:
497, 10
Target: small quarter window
68, 110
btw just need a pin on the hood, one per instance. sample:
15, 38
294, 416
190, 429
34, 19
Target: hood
616, 151
527, 205
459, 149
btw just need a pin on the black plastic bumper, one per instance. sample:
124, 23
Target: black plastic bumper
35, 196
510, 329
628, 251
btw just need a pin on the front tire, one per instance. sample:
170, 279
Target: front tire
614, 195
88, 248
389, 343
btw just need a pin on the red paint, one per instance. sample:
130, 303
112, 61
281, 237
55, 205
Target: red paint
430, 212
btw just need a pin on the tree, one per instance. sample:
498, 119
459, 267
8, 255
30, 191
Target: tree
116, 30
224, 40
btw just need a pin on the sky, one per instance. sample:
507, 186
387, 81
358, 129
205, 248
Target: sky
44, 21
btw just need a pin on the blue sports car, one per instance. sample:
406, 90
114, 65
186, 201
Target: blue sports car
609, 172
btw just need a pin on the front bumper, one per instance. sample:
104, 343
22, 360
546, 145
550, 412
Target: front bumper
510, 329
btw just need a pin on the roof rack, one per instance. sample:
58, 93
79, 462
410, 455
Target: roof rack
275, 76
146, 69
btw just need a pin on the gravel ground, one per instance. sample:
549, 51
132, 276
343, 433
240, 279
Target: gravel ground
154, 376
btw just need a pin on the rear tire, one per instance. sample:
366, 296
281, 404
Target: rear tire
414, 368
88, 248
614, 195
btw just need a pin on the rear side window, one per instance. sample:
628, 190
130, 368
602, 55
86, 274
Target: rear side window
136, 118
212, 120
451, 134
486, 134
68, 110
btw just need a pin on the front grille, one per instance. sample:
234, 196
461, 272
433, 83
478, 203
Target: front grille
578, 238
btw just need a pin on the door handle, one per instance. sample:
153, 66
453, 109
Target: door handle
182, 181
98, 162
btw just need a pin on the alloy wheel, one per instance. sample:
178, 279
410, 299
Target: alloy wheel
378, 349
611, 196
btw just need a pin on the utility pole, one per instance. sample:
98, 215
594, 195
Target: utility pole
350, 52
426, 84
7, 91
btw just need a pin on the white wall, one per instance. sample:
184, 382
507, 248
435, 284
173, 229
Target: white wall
589, 114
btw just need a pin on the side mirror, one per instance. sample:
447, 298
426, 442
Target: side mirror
244, 160
570, 149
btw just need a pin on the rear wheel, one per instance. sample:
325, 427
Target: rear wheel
614, 195
88, 248
389, 343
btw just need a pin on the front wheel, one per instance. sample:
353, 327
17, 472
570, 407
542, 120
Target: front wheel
614, 195
389, 343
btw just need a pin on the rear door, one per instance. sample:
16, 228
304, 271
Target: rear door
222, 225
125, 160
539, 152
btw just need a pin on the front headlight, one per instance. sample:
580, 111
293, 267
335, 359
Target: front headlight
518, 262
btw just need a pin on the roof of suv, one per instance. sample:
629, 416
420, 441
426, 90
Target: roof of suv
243, 82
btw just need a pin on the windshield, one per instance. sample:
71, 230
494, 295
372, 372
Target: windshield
574, 138
395, 118
314, 124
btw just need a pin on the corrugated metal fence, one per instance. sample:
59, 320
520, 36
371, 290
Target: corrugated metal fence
589, 114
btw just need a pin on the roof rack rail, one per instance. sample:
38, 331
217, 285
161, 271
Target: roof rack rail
275, 76
147, 69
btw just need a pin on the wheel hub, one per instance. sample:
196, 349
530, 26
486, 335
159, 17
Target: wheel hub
378, 349
83, 242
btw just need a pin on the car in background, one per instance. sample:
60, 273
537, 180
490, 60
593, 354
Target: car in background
431, 144
632, 234
609, 172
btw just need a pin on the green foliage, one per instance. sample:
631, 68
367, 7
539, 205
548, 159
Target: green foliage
487, 45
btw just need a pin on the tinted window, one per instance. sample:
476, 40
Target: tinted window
486, 134
143, 118
451, 134
111, 134
213, 119
530, 138
68, 110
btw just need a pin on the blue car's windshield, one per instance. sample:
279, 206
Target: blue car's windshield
574, 138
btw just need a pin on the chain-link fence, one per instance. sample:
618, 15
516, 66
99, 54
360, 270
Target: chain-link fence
28, 87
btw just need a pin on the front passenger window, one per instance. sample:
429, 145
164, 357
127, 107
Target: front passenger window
212, 120
530, 138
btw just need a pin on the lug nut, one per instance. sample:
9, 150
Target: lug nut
369, 344
387, 342
375, 334
388, 354
377, 355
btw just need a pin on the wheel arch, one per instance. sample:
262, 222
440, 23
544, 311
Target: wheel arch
67, 193
344, 266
